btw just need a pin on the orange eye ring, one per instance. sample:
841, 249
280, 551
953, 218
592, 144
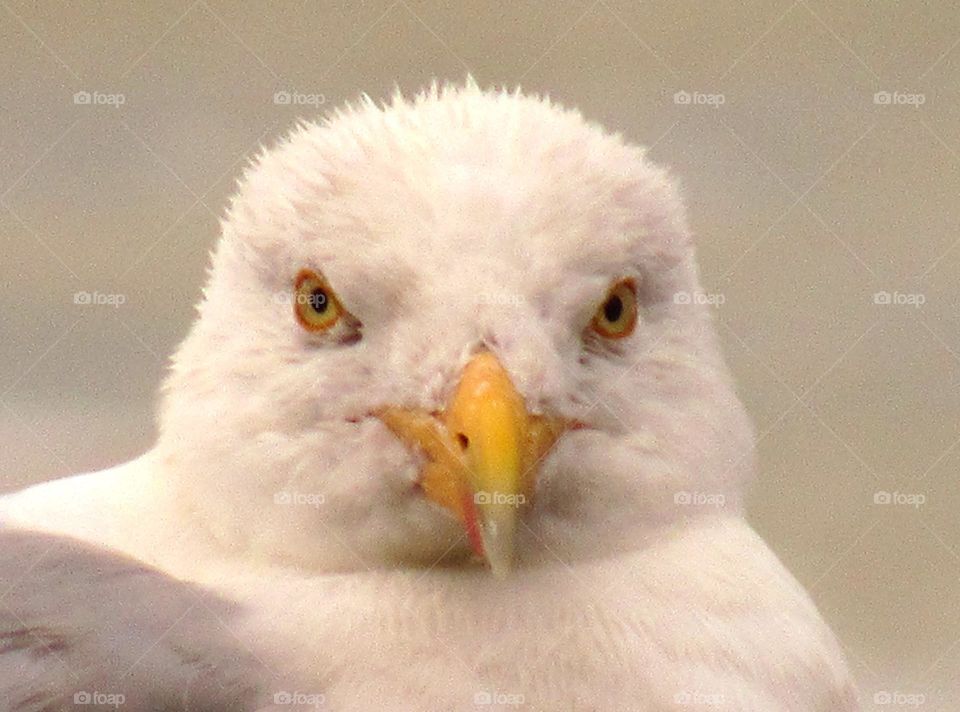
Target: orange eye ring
616, 316
315, 305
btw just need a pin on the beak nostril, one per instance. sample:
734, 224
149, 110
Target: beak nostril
463, 441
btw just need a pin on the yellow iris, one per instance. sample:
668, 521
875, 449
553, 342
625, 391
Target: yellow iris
315, 305
617, 315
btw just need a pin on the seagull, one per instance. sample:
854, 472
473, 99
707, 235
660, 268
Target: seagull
451, 431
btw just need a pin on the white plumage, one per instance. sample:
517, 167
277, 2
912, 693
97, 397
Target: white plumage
275, 547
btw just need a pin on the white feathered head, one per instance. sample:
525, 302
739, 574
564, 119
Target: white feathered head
464, 322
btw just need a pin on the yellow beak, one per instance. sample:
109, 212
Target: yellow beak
482, 453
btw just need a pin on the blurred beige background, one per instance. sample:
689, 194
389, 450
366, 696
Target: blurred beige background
124, 125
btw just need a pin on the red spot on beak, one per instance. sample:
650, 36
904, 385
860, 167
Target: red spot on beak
471, 521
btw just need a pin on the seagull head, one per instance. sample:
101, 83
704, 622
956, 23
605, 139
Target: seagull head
457, 329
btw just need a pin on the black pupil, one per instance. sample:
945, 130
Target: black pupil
613, 309
318, 300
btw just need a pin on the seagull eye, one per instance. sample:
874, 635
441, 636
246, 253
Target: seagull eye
315, 305
617, 315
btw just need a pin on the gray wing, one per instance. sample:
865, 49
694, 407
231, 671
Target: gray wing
85, 626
